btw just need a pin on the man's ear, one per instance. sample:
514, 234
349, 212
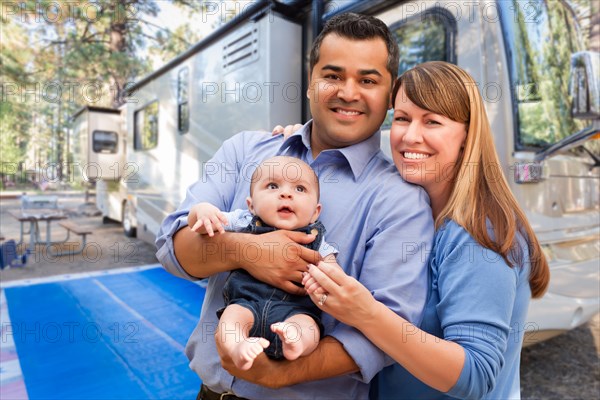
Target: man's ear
250, 206
316, 214
310, 85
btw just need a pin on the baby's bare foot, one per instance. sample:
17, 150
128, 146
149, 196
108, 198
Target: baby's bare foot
244, 354
290, 335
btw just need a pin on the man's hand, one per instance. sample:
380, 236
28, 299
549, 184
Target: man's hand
205, 219
278, 258
327, 361
264, 371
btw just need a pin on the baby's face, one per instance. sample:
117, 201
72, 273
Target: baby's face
285, 195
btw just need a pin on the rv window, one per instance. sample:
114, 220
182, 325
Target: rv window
540, 38
105, 142
183, 111
425, 37
146, 127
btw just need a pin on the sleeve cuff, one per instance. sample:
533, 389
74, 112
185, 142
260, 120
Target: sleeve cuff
327, 249
166, 251
366, 355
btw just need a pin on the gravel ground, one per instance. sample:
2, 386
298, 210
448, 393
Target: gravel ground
565, 367
106, 247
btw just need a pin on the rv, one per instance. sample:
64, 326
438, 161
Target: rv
541, 95
99, 154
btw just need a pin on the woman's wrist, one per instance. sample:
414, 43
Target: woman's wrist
372, 316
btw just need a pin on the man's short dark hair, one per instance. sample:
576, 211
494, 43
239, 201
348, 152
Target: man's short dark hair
358, 27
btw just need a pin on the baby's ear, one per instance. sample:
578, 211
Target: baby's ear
317, 213
250, 206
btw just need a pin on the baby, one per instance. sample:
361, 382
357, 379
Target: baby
284, 194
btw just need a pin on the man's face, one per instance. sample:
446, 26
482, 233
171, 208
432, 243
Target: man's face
349, 91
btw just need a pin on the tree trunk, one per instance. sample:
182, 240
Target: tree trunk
118, 44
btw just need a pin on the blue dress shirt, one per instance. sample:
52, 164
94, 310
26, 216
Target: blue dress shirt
380, 224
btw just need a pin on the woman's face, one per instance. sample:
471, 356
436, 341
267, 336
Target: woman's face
425, 146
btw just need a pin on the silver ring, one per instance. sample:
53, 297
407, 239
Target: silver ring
323, 299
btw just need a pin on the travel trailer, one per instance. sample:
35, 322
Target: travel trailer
541, 95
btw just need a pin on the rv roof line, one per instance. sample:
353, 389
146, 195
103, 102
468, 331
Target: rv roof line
359, 6
255, 12
97, 109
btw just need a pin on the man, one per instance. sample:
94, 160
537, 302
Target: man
381, 225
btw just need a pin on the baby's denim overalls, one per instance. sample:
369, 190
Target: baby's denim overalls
269, 304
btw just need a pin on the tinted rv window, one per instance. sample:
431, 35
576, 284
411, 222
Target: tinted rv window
146, 127
425, 37
105, 142
540, 38
183, 110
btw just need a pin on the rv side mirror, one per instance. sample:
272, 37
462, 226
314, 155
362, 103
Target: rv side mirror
585, 84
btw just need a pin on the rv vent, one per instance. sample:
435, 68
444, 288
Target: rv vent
242, 50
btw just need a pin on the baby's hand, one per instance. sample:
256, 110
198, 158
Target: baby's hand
311, 285
205, 218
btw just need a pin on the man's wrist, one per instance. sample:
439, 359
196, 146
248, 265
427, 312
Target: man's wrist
202, 256
232, 247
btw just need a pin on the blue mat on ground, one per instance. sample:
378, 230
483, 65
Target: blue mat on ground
117, 336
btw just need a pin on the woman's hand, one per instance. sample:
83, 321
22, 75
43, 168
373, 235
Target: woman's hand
287, 131
338, 294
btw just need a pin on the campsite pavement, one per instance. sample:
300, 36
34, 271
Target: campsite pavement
565, 367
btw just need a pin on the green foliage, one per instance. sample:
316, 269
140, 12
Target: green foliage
169, 44
59, 55
11, 142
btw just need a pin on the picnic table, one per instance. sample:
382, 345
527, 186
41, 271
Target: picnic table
36, 209
32, 220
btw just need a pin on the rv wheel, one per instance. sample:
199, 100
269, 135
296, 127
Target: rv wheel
128, 228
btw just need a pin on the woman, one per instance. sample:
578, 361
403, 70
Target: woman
485, 265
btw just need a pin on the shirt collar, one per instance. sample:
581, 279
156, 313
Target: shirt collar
357, 155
